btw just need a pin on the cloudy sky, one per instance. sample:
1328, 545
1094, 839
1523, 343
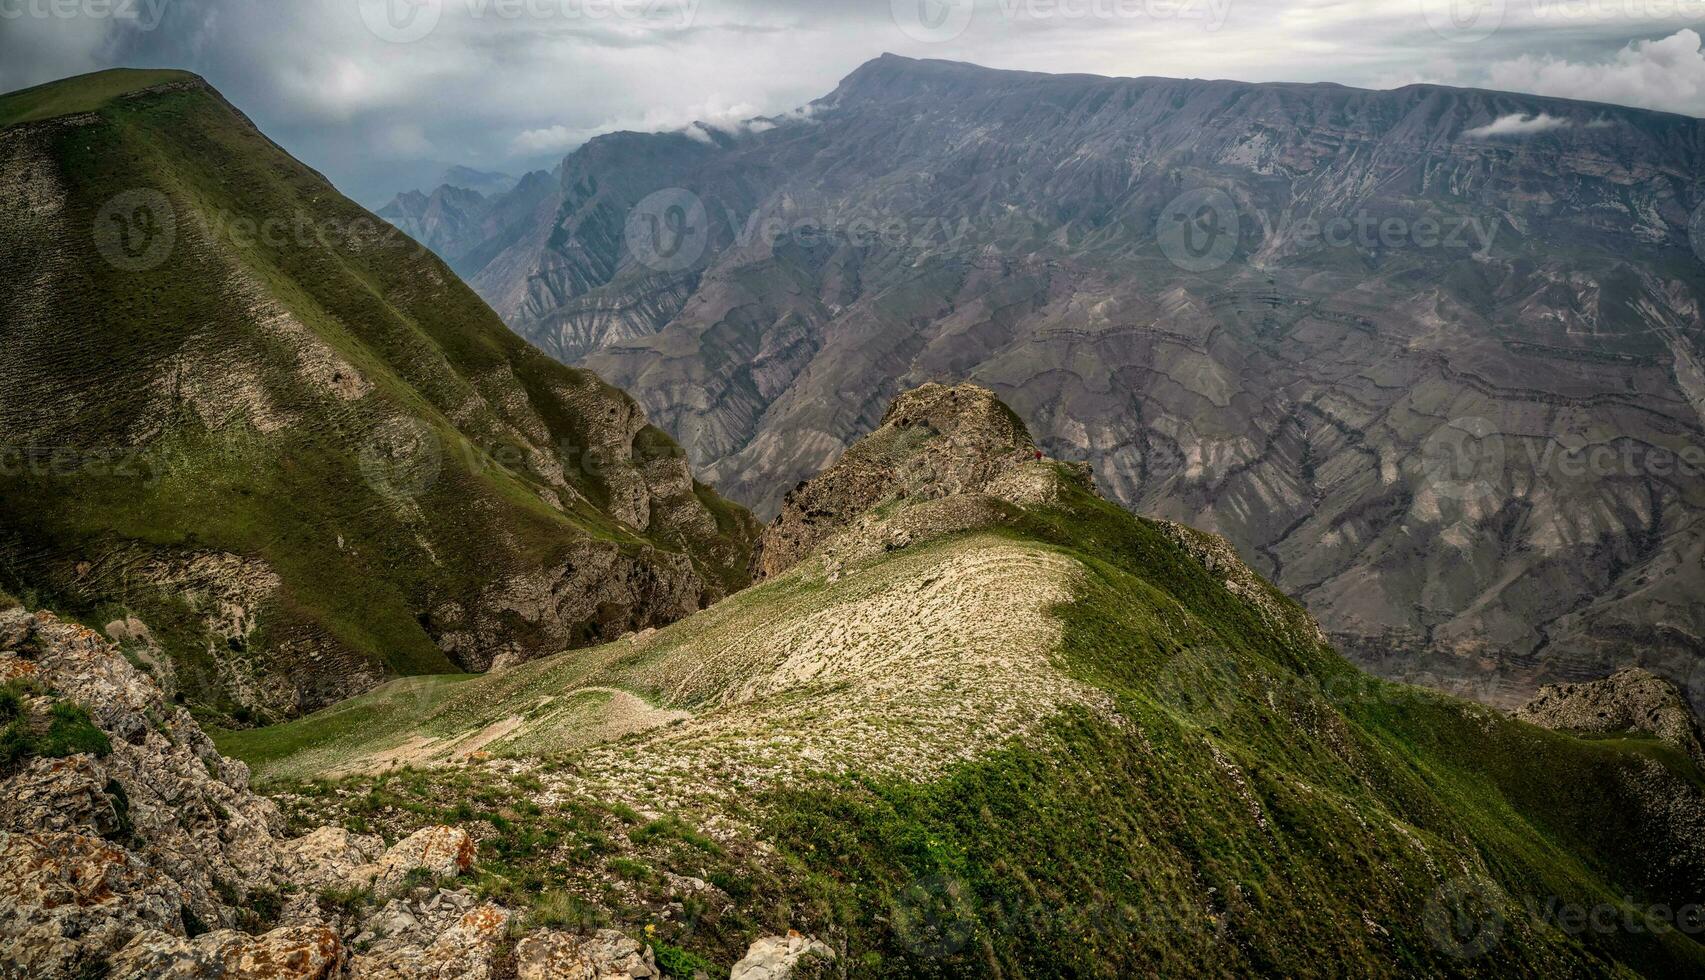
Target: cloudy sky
382, 95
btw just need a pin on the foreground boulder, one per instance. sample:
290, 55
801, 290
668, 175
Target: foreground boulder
130, 848
777, 957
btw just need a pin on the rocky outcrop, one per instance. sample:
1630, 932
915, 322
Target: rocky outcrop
777, 957
605, 955
1630, 700
935, 442
147, 855
440, 852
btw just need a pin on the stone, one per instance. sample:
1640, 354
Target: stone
776, 957
67, 900
1630, 700
443, 851
289, 953
552, 954
466, 951
327, 857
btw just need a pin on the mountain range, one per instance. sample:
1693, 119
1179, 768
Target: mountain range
1440, 376
346, 636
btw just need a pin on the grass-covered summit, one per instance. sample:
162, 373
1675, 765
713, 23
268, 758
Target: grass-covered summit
245, 412
993, 725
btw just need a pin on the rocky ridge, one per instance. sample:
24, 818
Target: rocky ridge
150, 857
1631, 700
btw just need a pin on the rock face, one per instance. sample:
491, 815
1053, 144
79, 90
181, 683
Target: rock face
150, 859
934, 442
606, 955
1630, 700
336, 465
776, 957
1443, 388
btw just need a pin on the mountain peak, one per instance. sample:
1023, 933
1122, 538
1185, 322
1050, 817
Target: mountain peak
87, 93
935, 442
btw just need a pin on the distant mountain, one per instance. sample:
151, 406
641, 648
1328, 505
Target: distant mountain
486, 182
1440, 375
242, 410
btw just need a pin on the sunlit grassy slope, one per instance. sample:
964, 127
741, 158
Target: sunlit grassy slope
1198, 787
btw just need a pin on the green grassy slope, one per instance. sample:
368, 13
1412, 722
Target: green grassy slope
1245, 802
270, 372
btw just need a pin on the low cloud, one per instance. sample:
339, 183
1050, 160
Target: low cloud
1517, 124
1666, 74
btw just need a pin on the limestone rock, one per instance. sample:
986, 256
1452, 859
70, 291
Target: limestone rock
329, 856
289, 953
776, 957
69, 900
1630, 700
607, 955
443, 851
465, 951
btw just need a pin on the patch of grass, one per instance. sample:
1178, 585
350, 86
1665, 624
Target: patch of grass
53, 730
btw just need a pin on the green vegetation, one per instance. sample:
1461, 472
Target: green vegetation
302, 414
54, 730
1251, 805
84, 93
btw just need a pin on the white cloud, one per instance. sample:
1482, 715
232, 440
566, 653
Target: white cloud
1667, 74
1517, 124
696, 121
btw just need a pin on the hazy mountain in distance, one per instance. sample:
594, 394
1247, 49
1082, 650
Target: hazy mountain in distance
1431, 358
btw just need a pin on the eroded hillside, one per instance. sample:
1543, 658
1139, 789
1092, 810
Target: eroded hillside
286, 442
